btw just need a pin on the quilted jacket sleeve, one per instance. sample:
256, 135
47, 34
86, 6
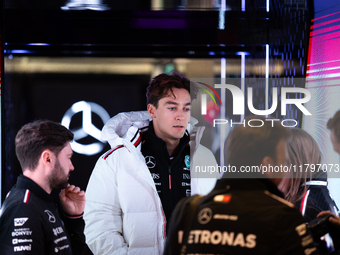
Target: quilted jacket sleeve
103, 214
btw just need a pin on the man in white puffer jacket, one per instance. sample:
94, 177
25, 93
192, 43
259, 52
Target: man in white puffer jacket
130, 200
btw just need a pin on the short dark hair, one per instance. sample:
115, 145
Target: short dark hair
161, 85
247, 146
35, 137
334, 124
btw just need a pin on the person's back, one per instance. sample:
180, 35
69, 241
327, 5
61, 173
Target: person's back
316, 198
245, 213
247, 218
306, 188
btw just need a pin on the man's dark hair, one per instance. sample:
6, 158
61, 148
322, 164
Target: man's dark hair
334, 125
33, 138
247, 146
162, 85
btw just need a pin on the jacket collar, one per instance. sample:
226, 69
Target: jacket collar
249, 184
121, 129
24, 182
158, 145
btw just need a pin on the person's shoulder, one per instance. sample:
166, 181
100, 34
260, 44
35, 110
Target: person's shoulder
188, 201
119, 157
279, 201
115, 153
19, 201
283, 212
17, 196
270, 204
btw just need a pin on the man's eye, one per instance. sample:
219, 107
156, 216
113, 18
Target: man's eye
187, 109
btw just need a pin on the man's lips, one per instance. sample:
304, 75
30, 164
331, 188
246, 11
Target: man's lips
179, 126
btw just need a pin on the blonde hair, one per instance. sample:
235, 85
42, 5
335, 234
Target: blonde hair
302, 149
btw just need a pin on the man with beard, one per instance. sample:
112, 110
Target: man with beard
31, 221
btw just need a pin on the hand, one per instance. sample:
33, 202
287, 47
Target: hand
72, 200
335, 220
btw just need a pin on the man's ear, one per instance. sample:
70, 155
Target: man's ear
151, 110
47, 157
267, 161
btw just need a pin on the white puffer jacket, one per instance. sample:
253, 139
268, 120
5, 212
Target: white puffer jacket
123, 212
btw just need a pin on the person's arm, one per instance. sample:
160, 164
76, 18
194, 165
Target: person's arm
293, 234
75, 227
103, 214
72, 200
335, 220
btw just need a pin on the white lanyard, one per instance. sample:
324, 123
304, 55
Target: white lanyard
319, 183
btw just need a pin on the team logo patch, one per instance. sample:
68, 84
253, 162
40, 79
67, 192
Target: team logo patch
187, 161
301, 229
150, 161
51, 217
205, 215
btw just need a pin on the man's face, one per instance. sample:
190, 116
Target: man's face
172, 115
335, 142
62, 168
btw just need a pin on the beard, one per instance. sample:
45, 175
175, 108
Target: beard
57, 179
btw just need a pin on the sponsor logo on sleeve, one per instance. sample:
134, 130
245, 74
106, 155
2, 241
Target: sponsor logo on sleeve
57, 231
306, 241
18, 222
57, 249
22, 248
16, 241
301, 229
310, 251
22, 232
60, 239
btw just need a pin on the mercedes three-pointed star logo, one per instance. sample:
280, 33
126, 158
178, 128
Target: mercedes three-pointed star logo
205, 215
150, 161
51, 217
